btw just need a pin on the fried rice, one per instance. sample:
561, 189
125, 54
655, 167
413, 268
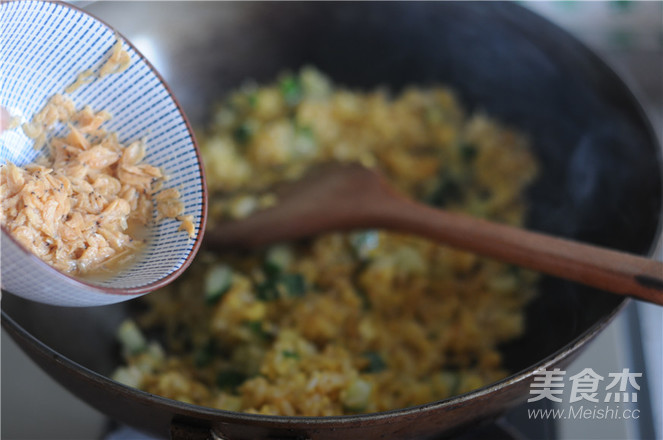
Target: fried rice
343, 323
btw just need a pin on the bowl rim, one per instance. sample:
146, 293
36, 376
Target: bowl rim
167, 279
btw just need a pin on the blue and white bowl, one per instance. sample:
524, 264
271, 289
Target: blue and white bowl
43, 47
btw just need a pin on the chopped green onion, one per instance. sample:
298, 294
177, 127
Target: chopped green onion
289, 354
242, 133
253, 100
504, 283
267, 291
356, 396
258, 330
291, 90
205, 354
514, 270
360, 291
305, 144
230, 379
448, 191
294, 284
279, 284
314, 84
155, 351
271, 269
451, 381
375, 362
291, 285
130, 376
278, 258
218, 281
131, 338
306, 131
468, 152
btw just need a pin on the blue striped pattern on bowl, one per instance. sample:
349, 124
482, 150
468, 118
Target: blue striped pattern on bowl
43, 47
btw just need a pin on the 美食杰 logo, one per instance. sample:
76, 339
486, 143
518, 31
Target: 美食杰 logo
586, 385
583, 389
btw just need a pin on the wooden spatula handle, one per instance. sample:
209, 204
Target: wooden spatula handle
606, 269
346, 196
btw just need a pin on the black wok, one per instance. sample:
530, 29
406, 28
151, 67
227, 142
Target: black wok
600, 180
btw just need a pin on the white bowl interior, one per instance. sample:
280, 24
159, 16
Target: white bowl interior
43, 47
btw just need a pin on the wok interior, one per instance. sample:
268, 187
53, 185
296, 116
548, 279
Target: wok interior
600, 176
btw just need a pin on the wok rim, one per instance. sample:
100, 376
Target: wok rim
22, 336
